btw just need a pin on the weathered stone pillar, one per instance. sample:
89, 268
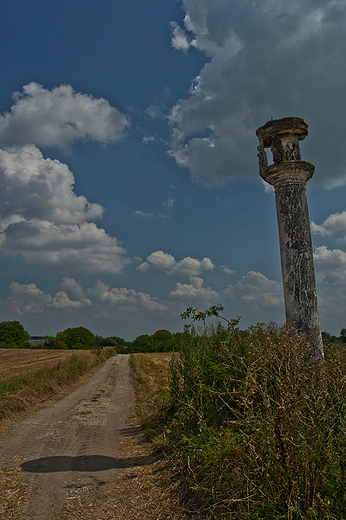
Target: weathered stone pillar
289, 175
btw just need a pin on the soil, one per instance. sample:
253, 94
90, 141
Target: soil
84, 457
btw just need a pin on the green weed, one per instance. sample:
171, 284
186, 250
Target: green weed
256, 428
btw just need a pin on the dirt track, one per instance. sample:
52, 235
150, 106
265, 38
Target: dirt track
73, 446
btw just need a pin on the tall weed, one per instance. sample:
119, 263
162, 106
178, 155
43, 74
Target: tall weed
257, 428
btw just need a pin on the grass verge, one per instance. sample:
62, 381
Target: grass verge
151, 375
22, 393
254, 428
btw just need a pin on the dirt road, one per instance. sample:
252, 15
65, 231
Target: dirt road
74, 445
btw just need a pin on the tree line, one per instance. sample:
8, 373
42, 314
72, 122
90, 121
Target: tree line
13, 335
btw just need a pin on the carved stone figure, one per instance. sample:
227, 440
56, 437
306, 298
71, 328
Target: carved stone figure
277, 150
262, 159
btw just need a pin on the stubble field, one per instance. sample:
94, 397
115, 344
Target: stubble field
17, 362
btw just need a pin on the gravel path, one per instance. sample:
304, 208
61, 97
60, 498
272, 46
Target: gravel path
73, 445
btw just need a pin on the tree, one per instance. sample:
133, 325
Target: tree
163, 340
343, 335
76, 338
13, 334
143, 343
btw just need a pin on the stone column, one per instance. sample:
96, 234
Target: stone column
289, 175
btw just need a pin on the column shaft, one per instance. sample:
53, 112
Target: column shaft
296, 256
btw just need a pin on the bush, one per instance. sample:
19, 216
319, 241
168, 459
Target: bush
12, 334
75, 338
161, 341
257, 430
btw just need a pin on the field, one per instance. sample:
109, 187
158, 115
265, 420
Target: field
17, 362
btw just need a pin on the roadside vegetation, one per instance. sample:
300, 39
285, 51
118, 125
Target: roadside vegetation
34, 388
253, 427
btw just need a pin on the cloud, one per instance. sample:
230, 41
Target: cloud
58, 117
143, 214
143, 267
180, 39
256, 290
330, 266
186, 267
161, 260
335, 223
79, 247
194, 291
260, 56
192, 267
126, 300
44, 221
37, 188
101, 299
226, 269
75, 289
148, 139
29, 299
169, 203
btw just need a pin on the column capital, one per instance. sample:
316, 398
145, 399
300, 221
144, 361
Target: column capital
288, 172
283, 136
287, 126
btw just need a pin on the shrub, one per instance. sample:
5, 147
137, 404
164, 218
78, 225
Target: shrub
75, 338
257, 429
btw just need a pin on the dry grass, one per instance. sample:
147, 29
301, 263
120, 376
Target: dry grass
12, 493
19, 361
151, 372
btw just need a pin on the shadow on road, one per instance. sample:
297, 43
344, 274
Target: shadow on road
83, 463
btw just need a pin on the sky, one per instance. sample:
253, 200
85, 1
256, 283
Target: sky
129, 185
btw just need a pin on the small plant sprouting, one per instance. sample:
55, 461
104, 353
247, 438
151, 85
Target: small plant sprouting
214, 310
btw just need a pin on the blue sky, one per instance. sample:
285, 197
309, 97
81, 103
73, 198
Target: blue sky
129, 177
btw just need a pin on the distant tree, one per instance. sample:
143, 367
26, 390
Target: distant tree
75, 338
343, 335
13, 334
163, 340
110, 341
143, 343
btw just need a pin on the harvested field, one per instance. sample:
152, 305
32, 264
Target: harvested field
17, 362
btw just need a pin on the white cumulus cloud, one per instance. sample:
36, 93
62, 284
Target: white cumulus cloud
46, 222
58, 117
29, 299
100, 300
34, 187
194, 291
335, 223
255, 289
192, 266
186, 267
